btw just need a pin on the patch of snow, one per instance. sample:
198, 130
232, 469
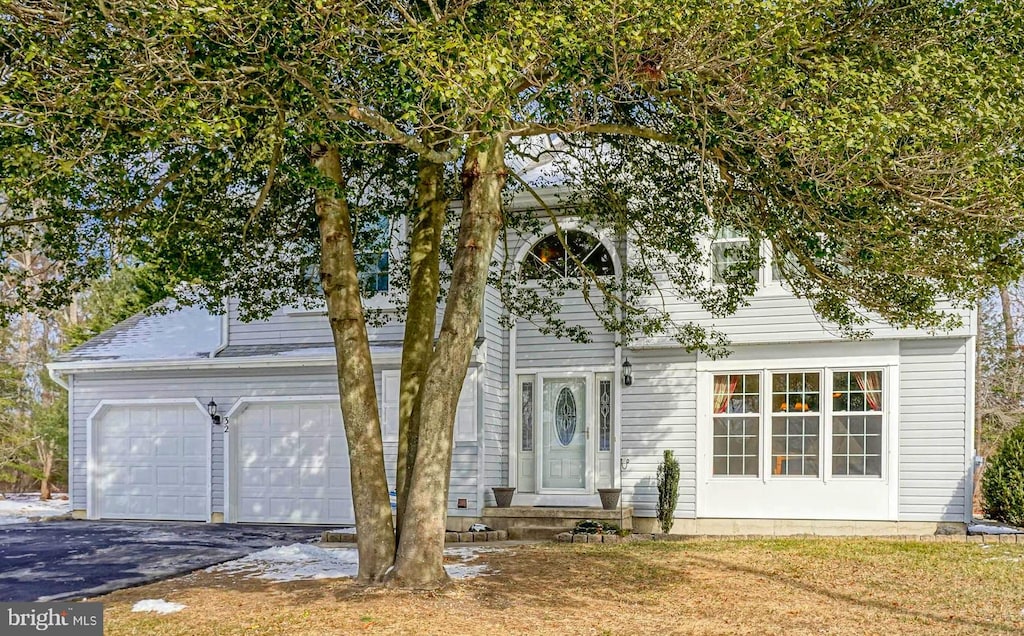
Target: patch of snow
344, 530
158, 605
296, 562
465, 569
182, 332
306, 562
981, 528
18, 507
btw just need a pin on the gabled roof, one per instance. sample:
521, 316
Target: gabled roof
167, 332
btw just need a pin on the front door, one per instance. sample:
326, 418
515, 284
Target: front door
565, 440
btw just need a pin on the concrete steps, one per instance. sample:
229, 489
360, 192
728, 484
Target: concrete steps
544, 523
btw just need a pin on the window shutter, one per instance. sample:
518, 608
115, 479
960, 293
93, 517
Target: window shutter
390, 388
465, 416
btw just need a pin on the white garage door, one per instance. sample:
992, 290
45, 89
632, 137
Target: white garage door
151, 462
290, 464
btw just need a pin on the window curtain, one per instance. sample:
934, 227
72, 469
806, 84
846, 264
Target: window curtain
871, 383
725, 386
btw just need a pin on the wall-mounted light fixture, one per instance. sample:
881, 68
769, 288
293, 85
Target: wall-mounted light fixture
216, 419
627, 372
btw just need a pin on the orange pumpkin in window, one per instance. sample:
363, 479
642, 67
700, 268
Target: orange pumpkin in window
799, 406
783, 407
837, 394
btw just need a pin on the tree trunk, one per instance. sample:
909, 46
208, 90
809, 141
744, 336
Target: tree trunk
418, 342
1010, 329
45, 452
376, 536
418, 561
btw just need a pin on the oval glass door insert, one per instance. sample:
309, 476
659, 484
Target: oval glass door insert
565, 417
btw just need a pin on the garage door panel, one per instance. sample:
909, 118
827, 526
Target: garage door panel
152, 463
285, 446
293, 465
194, 476
141, 447
142, 475
194, 447
167, 447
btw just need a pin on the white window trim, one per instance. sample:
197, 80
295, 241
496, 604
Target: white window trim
885, 358
884, 412
766, 390
384, 301
603, 236
712, 242
760, 430
465, 408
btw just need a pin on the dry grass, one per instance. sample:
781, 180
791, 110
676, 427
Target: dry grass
804, 586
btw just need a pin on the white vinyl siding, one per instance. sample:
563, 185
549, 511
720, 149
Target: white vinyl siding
934, 461
659, 413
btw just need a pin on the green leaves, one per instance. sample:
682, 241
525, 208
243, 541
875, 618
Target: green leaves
876, 143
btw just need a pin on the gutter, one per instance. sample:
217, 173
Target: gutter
249, 362
56, 376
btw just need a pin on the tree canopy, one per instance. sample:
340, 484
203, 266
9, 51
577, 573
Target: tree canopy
234, 145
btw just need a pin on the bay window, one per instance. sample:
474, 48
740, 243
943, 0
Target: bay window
805, 435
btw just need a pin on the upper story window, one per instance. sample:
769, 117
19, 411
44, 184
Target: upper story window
373, 271
730, 249
549, 258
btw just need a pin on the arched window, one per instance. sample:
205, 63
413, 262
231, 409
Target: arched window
548, 257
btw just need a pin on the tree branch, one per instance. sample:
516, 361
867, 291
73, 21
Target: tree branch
354, 113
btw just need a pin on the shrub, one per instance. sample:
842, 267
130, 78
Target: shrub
1002, 484
590, 526
668, 490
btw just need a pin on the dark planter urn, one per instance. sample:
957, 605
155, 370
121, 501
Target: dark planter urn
503, 496
609, 497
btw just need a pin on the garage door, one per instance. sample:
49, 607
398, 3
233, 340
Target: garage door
151, 462
290, 464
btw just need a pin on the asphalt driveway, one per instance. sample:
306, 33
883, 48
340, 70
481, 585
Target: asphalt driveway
56, 560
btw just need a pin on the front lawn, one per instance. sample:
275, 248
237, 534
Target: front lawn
797, 586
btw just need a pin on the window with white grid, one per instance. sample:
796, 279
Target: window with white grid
796, 422
736, 424
857, 418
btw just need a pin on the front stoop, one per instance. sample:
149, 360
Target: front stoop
540, 522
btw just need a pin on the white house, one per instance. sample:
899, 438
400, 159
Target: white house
797, 431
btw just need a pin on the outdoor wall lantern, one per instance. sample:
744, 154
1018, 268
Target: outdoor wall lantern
215, 418
627, 372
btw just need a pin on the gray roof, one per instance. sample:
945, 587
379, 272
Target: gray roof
295, 349
163, 332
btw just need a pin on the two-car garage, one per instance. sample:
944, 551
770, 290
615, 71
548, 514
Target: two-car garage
286, 461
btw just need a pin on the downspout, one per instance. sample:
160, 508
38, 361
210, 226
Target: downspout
223, 330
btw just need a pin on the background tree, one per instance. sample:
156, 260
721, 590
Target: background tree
236, 143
